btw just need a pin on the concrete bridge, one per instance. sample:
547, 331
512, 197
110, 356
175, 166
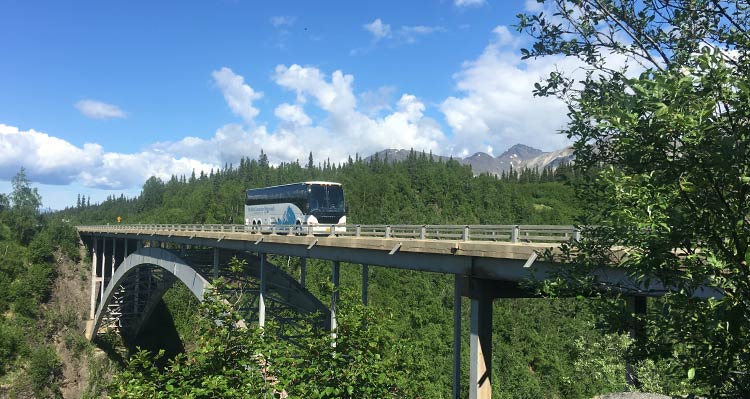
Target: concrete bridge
488, 262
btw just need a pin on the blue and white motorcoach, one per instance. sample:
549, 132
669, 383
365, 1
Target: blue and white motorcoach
318, 205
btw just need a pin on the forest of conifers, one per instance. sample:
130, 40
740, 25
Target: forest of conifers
417, 191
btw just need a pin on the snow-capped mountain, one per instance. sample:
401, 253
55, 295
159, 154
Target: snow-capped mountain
518, 156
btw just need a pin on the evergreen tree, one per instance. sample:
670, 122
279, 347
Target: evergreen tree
263, 159
26, 201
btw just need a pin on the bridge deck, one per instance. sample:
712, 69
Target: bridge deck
484, 252
448, 246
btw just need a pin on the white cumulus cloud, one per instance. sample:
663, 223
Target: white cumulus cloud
238, 95
340, 129
292, 113
406, 127
373, 102
48, 158
378, 29
496, 107
51, 160
99, 110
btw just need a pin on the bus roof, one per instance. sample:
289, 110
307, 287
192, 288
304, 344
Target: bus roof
321, 183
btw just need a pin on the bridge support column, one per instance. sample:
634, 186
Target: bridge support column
457, 284
94, 279
636, 307
114, 254
334, 297
261, 295
365, 284
97, 277
302, 271
480, 349
182, 250
104, 268
216, 263
137, 293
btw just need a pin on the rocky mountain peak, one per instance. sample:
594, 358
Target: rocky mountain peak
521, 151
518, 156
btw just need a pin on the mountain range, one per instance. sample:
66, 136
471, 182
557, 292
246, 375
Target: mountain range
518, 156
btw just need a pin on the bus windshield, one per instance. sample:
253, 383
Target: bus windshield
326, 198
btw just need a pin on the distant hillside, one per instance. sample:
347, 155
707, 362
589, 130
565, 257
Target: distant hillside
518, 157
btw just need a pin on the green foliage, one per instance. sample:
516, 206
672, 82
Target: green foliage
11, 267
599, 364
666, 153
60, 235
233, 361
27, 270
23, 215
43, 371
40, 250
76, 343
183, 307
11, 344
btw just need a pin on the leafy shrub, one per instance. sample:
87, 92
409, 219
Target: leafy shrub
25, 305
600, 364
232, 361
40, 250
37, 282
45, 368
55, 234
76, 343
63, 236
11, 342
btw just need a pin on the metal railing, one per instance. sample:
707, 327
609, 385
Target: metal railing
484, 233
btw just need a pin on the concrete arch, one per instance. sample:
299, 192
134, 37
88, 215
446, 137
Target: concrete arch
126, 309
162, 258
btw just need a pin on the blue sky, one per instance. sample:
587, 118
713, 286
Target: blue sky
97, 96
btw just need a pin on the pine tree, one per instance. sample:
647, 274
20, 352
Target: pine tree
263, 159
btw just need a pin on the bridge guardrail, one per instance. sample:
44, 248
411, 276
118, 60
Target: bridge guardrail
494, 233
